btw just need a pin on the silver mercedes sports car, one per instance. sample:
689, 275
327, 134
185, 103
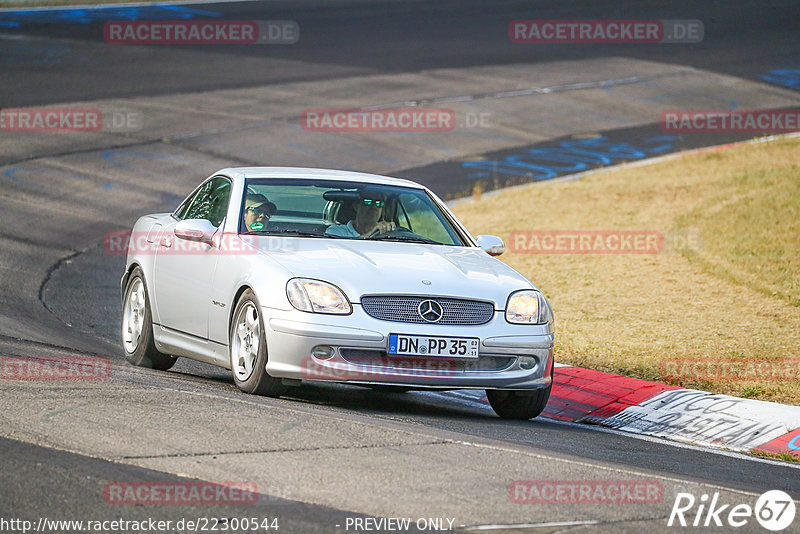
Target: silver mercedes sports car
284, 275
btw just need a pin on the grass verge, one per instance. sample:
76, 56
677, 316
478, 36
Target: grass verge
725, 288
785, 456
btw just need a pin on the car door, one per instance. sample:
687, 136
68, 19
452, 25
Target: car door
184, 270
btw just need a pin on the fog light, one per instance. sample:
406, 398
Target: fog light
527, 362
323, 352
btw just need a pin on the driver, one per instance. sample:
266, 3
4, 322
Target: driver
257, 212
367, 222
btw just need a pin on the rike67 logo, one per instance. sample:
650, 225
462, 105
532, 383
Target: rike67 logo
774, 510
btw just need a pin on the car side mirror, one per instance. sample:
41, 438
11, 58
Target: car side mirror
491, 244
196, 230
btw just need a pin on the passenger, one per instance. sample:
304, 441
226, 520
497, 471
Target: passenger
257, 212
367, 222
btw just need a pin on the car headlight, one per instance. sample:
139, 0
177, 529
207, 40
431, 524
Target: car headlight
316, 296
528, 307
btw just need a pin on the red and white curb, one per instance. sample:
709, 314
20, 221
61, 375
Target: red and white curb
672, 412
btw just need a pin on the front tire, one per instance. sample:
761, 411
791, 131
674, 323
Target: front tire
518, 404
248, 349
137, 327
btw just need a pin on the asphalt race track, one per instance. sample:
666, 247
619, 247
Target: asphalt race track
326, 455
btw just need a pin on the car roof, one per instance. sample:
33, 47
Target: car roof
312, 173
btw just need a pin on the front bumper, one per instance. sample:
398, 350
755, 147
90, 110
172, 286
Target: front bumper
511, 356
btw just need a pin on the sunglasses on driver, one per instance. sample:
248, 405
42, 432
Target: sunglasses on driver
257, 212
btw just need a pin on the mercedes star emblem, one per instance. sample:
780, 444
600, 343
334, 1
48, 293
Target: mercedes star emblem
430, 310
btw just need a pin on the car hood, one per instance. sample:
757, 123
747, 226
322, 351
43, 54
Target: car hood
379, 267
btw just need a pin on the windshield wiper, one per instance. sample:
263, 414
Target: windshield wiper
291, 232
405, 238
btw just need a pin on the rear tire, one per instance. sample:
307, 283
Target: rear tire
137, 327
510, 404
248, 349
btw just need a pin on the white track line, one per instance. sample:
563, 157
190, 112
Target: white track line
531, 525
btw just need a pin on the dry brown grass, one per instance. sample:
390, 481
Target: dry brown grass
735, 295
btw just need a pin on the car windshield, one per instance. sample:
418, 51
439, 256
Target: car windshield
344, 210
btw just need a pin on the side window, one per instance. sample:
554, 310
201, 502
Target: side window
210, 202
180, 213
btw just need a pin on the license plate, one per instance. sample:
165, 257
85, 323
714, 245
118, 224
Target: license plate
445, 347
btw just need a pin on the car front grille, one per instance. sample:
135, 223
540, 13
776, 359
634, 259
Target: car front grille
405, 309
